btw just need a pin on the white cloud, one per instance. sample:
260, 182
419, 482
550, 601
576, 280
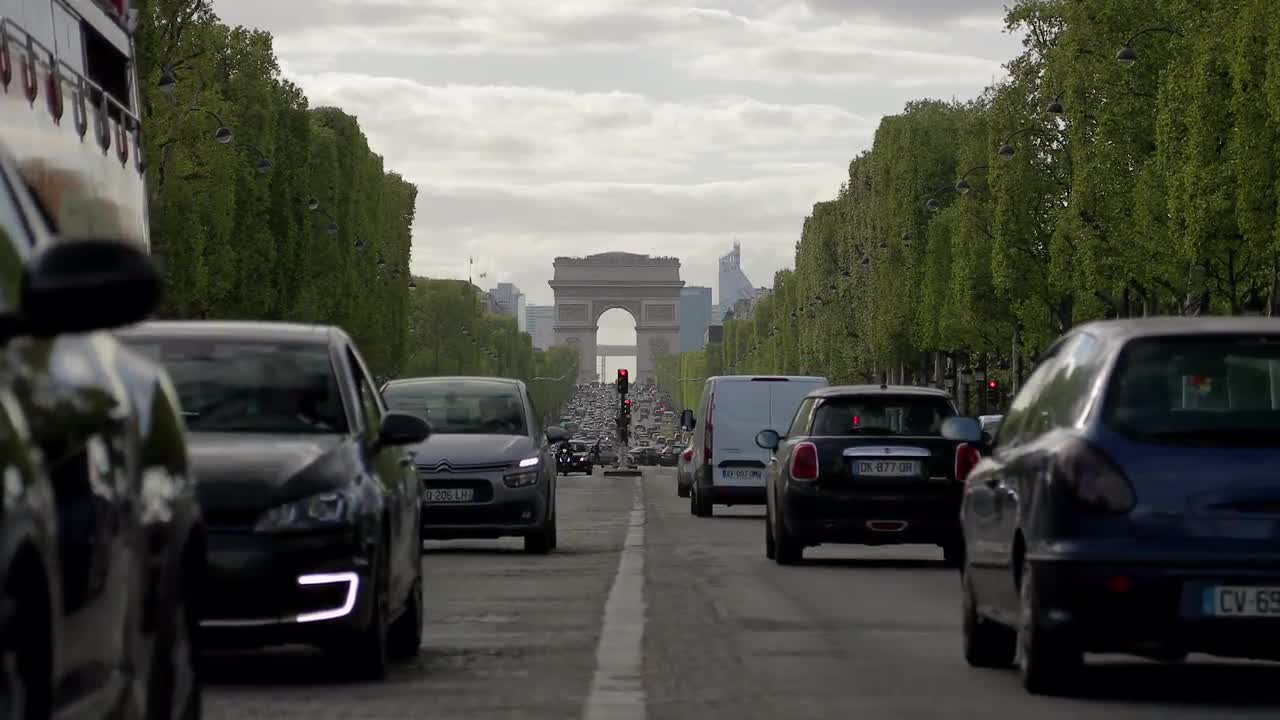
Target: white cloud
537, 128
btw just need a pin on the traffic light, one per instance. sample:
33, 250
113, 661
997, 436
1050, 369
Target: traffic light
993, 392
626, 407
623, 381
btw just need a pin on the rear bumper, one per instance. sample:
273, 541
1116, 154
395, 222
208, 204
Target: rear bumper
822, 516
1132, 608
728, 494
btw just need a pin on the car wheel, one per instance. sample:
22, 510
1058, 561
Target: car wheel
173, 685
787, 549
770, 549
24, 650
406, 632
369, 654
1048, 661
987, 644
542, 540
700, 505
681, 489
953, 553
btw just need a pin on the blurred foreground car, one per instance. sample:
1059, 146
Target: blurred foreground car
309, 496
100, 533
1131, 502
489, 469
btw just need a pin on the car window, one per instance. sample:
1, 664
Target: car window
1213, 390
14, 236
1019, 417
370, 400
462, 407
800, 423
250, 386
1066, 389
881, 414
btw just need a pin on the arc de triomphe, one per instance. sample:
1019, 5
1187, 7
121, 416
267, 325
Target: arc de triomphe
647, 287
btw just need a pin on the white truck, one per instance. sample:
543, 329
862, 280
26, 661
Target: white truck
69, 113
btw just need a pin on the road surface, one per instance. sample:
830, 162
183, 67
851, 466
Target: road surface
647, 613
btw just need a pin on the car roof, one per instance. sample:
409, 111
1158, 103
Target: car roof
454, 378
243, 330
1133, 328
845, 390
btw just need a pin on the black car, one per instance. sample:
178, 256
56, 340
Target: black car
572, 457
309, 496
1131, 502
863, 464
100, 533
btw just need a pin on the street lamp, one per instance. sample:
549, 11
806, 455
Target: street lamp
168, 82
1127, 56
223, 134
263, 164
1055, 107
1006, 151
962, 185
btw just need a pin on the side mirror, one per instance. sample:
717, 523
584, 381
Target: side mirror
78, 286
556, 434
768, 439
399, 429
962, 429
687, 421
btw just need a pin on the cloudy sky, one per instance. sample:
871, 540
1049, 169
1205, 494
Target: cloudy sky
538, 128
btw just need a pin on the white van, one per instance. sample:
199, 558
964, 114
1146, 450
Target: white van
728, 467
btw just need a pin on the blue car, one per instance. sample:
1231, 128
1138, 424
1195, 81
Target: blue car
1130, 502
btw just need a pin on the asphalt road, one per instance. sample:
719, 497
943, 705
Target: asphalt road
647, 613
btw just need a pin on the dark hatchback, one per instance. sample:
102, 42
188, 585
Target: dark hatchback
1131, 502
309, 497
863, 464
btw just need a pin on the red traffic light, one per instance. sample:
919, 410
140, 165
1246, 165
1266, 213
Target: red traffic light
622, 373
992, 384
627, 402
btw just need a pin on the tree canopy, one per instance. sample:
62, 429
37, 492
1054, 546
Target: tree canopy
1090, 183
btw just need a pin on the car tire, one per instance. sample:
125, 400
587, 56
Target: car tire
770, 549
25, 693
542, 540
405, 633
953, 553
590, 470
173, 685
786, 548
987, 644
1048, 662
681, 490
368, 653
699, 505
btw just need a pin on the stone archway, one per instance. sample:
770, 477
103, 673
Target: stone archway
646, 287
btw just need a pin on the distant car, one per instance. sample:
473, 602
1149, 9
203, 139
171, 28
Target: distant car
1131, 503
574, 457
684, 472
865, 465
489, 469
309, 498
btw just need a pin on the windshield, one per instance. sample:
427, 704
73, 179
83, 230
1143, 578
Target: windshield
461, 407
248, 386
915, 415
1184, 388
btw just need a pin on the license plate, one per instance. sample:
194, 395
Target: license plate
887, 468
450, 495
1242, 601
744, 474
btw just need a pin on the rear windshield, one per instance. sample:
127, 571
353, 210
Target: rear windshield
914, 415
250, 386
461, 407
1220, 388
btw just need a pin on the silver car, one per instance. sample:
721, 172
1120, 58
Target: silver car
489, 468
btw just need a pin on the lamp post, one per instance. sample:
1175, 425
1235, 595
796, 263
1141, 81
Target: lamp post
1127, 56
1006, 151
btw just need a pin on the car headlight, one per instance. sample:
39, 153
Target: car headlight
524, 478
318, 511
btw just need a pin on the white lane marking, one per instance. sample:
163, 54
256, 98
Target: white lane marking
617, 689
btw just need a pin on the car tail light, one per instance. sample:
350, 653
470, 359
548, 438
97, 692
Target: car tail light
967, 456
1093, 480
687, 455
804, 462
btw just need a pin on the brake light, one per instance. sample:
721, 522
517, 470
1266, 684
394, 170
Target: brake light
687, 454
804, 462
1093, 480
967, 456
